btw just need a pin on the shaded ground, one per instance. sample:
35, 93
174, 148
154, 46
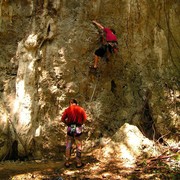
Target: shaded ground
93, 169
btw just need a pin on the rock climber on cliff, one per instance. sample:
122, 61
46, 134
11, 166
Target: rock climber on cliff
108, 44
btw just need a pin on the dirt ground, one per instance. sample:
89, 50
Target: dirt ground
92, 169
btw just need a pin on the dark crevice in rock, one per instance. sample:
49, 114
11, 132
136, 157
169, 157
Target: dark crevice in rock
13, 153
147, 122
113, 86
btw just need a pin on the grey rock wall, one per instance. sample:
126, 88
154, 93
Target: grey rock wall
46, 48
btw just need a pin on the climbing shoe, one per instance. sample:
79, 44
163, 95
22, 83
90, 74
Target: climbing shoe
92, 67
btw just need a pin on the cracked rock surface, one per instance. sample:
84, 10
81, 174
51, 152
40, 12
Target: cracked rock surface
46, 48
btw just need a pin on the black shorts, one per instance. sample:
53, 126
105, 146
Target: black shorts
102, 50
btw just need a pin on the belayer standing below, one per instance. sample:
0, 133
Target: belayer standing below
74, 117
108, 46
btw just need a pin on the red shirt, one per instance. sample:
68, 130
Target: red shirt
74, 114
110, 36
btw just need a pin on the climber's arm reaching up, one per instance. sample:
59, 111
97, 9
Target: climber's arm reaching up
98, 24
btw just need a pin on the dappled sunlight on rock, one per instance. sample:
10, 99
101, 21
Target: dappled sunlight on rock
131, 99
61, 53
3, 117
95, 167
31, 41
70, 172
128, 143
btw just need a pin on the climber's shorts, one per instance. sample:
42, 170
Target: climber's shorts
101, 52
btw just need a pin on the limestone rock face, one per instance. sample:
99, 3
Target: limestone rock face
46, 48
128, 143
